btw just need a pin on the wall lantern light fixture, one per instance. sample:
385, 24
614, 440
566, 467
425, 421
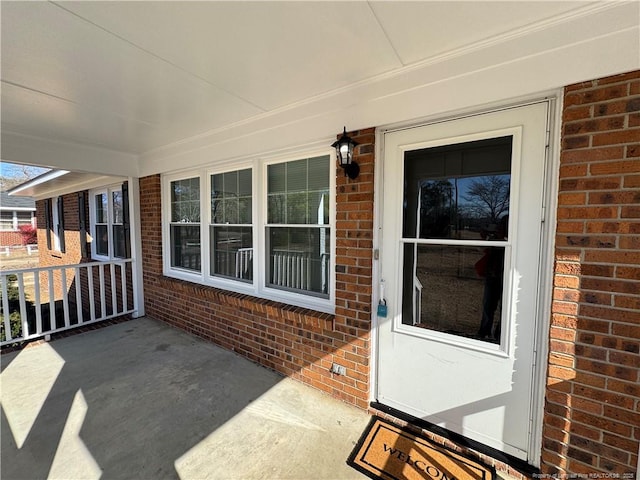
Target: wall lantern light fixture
344, 151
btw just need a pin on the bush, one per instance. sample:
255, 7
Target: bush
13, 297
29, 235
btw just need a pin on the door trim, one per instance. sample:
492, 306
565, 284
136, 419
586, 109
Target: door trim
547, 245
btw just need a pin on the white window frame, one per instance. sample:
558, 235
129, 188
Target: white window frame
92, 220
55, 225
259, 223
15, 224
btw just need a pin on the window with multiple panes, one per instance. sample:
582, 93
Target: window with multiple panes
12, 220
269, 229
230, 230
298, 234
185, 224
108, 227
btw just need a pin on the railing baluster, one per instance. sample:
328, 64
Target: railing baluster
65, 297
38, 306
103, 301
23, 306
52, 301
92, 297
5, 309
114, 292
123, 289
78, 281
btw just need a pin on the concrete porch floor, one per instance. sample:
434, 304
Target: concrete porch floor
142, 400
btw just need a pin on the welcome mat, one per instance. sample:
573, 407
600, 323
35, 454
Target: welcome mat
388, 452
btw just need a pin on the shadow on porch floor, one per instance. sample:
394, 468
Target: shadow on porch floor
143, 400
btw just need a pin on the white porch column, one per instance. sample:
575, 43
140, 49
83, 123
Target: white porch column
136, 247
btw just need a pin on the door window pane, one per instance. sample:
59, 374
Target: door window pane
455, 290
457, 192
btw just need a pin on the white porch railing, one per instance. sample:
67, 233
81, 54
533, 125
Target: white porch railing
291, 269
53, 299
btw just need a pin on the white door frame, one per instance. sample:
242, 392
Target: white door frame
550, 195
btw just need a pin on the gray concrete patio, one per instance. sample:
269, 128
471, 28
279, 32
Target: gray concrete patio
142, 400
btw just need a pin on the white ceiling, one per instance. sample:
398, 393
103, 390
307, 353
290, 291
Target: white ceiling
138, 77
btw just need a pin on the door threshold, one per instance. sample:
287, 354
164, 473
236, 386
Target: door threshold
517, 464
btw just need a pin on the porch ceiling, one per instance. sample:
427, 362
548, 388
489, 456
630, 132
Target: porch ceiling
135, 80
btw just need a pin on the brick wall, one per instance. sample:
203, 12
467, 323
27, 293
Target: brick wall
592, 415
8, 239
294, 341
52, 257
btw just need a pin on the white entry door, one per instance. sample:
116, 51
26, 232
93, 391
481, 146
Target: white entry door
460, 258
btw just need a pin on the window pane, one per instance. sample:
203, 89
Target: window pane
297, 176
318, 208
456, 290
24, 218
185, 201
118, 214
119, 242
277, 204
230, 184
244, 182
101, 208
276, 178
298, 259
6, 221
102, 240
319, 173
231, 197
298, 192
185, 247
232, 252
230, 210
297, 208
458, 191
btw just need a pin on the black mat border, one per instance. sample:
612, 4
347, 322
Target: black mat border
516, 463
374, 419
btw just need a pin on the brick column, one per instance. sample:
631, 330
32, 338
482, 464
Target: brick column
592, 413
354, 257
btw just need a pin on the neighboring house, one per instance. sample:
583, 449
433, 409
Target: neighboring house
15, 212
264, 246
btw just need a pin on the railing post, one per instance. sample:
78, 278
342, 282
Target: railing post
52, 302
5, 308
103, 299
23, 306
78, 295
92, 296
36, 287
65, 298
